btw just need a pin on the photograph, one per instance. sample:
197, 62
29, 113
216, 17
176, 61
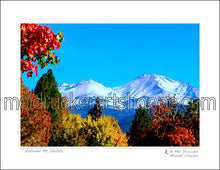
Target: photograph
109, 84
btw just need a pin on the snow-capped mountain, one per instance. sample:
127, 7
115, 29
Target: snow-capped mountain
84, 89
144, 85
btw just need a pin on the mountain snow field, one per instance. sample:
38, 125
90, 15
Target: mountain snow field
143, 86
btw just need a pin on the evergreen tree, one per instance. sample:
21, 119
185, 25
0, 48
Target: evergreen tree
193, 116
193, 108
96, 112
142, 121
47, 90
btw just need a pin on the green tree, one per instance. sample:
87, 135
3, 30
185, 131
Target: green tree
47, 90
193, 108
193, 119
142, 121
96, 111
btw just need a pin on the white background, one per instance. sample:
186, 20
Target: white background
205, 13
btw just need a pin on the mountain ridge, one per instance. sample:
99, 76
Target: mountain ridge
154, 85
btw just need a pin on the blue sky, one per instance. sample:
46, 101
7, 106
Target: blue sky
114, 54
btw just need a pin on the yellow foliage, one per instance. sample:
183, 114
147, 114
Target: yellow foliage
104, 131
72, 124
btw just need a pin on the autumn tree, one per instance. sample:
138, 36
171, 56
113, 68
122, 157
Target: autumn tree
104, 131
72, 134
101, 130
168, 128
35, 120
37, 45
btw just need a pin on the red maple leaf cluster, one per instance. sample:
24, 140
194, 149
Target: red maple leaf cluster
36, 40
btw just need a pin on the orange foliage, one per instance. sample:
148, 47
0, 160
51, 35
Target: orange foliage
180, 137
35, 121
194, 126
168, 129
